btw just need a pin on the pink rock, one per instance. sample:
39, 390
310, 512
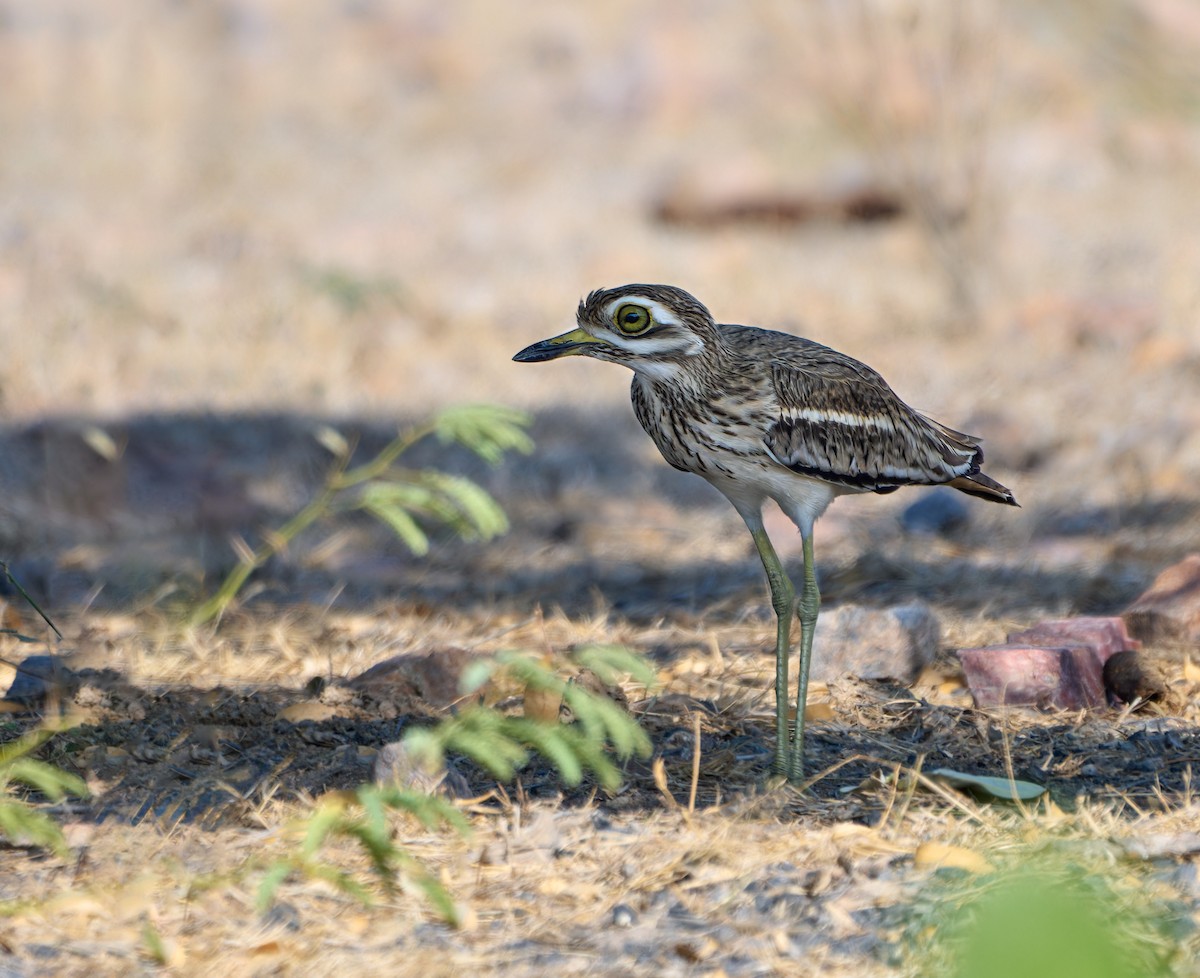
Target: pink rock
1105, 636
1170, 607
1064, 677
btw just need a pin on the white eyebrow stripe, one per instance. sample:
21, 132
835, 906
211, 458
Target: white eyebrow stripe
658, 312
882, 422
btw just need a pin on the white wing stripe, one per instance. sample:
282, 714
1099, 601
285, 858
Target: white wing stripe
881, 422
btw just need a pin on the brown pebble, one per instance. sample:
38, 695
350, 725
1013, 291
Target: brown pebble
1131, 676
432, 680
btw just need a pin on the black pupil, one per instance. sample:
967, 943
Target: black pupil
633, 317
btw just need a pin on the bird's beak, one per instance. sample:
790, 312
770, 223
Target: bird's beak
569, 344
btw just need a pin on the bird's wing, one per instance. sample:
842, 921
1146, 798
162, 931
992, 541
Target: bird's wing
840, 421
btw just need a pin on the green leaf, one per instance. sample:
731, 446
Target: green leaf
392, 513
593, 757
489, 431
155, 946
1002, 788
529, 671
332, 440
21, 825
475, 675
1052, 923
430, 810
436, 894
479, 733
323, 822
54, 783
424, 744
23, 745
276, 873
472, 507
342, 881
610, 662
550, 741
373, 832
499, 754
603, 718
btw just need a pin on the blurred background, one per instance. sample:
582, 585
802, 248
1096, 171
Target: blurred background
223, 224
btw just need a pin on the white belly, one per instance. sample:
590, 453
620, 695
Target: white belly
802, 499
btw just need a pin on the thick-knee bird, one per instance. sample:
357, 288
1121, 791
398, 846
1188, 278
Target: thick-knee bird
767, 415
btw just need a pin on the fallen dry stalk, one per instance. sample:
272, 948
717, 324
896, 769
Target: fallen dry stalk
695, 762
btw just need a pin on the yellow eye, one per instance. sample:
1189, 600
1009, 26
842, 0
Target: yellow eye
631, 319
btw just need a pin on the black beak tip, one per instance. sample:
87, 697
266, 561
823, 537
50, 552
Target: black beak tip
531, 354
545, 350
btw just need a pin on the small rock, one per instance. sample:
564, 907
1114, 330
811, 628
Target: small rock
623, 915
1131, 676
1170, 607
1065, 677
40, 678
396, 765
541, 705
282, 915
889, 643
1055, 664
433, 680
494, 853
1105, 636
538, 838
1159, 845
594, 684
306, 710
940, 510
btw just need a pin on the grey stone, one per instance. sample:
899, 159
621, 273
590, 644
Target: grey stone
395, 765
623, 915
936, 511
875, 643
42, 677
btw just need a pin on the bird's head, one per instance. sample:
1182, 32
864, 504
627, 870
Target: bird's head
651, 328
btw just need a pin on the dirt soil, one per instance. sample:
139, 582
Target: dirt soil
223, 228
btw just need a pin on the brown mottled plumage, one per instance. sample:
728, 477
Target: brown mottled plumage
760, 415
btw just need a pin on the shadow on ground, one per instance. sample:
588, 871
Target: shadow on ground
119, 513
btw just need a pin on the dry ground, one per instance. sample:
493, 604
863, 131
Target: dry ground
222, 226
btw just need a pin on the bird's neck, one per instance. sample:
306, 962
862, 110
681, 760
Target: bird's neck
693, 372
690, 377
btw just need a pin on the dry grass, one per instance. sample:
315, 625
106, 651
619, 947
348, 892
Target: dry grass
221, 226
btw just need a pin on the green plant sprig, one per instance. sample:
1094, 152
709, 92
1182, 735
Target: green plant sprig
366, 818
398, 497
501, 744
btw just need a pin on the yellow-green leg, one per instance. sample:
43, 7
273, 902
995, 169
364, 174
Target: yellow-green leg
810, 606
783, 600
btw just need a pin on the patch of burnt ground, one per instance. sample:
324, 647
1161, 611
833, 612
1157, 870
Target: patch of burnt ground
215, 756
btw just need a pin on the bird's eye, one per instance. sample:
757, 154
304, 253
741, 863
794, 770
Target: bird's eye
631, 319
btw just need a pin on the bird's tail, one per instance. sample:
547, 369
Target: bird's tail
985, 488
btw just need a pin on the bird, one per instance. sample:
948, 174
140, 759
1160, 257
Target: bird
763, 415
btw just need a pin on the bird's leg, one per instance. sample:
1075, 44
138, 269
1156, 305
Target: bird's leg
810, 605
783, 600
